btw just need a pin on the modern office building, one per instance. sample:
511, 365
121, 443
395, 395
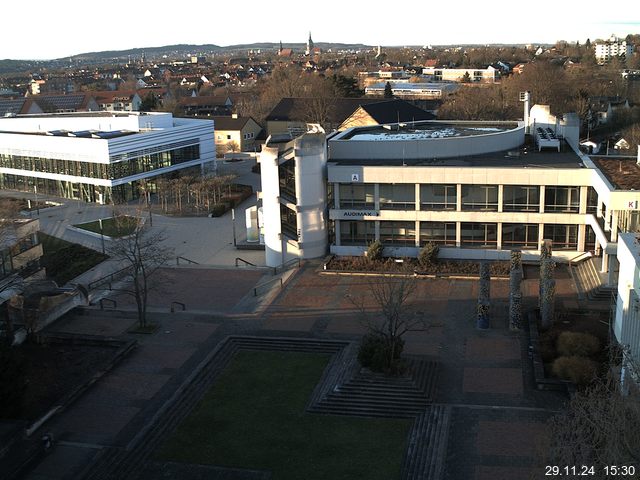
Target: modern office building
478, 189
100, 156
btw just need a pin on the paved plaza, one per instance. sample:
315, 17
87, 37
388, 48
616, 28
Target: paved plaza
497, 426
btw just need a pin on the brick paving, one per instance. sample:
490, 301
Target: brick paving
485, 376
507, 381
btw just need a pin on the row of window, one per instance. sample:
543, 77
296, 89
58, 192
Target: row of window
515, 198
110, 171
472, 235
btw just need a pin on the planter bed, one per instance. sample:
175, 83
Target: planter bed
410, 266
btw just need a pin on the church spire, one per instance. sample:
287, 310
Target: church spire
309, 45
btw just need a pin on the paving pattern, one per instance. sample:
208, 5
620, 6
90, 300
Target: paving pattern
484, 418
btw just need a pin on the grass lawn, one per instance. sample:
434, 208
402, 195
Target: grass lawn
112, 227
65, 260
253, 417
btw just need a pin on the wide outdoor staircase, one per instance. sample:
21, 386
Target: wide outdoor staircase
370, 394
589, 282
427, 445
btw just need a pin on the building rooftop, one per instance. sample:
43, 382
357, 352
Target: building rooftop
623, 173
527, 156
424, 130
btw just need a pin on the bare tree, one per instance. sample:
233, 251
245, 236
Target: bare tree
599, 427
398, 316
143, 253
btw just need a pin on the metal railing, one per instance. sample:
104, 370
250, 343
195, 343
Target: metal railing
113, 303
108, 279
287, 265
180, 304
246, 262
269, 282
186, 260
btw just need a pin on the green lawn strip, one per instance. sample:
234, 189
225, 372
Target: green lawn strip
110, 227
253, 417
64, 260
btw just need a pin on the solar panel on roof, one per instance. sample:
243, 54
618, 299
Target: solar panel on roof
113, 134
82, 134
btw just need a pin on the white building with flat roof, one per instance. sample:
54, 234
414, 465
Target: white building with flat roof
614, 47
100, 156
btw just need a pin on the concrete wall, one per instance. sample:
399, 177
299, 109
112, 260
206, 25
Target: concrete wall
427, 148
311, 192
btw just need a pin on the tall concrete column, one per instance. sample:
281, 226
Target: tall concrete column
582, 234
377, 229
459, 197
614, 225
540, 234
337, 231
458, 234
499, 235
417, 242
583, 200
604, 268
542, 189
336, 195
417, 197
376, 196
500, 200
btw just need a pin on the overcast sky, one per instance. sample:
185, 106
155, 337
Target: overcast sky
46, 29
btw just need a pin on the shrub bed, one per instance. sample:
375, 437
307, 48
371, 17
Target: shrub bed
411, 265
579, 370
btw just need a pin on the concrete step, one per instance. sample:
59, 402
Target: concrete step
426, 454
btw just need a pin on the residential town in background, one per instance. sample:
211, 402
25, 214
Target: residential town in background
168, 213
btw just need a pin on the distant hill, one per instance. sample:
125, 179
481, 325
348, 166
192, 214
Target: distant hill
172, 52
183, 50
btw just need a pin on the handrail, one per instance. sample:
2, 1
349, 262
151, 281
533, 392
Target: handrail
113, 303
575, 259
107, 279
186, 260
238, 259
184, 307
286, 265
268, 282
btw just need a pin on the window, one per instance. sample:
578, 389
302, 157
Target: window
562, 199
357, 232
289, 222
357, 195
517, 198
398, 233
592, 200
438, 197
438, 232
397, 196
480, 197
479, 235
519, 235
287, 176
564, 237
228, 137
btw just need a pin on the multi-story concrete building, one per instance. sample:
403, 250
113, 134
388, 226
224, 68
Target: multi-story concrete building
614, 47
478, 189
100, 156
413, 90
482, 75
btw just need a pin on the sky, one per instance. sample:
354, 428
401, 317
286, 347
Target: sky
46, 29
